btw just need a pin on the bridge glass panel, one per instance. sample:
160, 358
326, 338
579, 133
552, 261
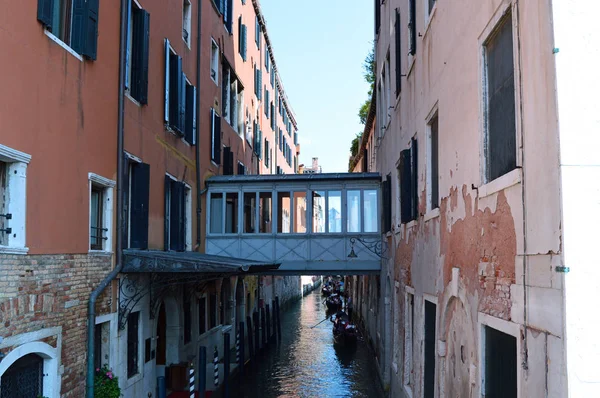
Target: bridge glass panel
300, 221
319, 205
370, 211
354, 210
231, 213
334, 211
250, 212
216, 213
265, 209
284, 213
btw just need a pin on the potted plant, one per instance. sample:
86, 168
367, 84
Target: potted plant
106, 384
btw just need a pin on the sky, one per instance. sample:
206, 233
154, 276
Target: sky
320, 47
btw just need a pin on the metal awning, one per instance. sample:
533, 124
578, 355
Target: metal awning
154, 261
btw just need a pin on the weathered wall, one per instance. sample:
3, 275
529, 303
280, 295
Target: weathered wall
51, 291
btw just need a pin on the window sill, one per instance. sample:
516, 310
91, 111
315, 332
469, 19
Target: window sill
133, 380
410, 224
63, 45
100, 253
14, 250
411, 64
428, 21
431, 214
505, 181
128, 95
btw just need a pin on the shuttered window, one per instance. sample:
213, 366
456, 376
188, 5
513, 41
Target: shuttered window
257, 33
267, 102
412, 27
228, 15
74, 22
386, 222
190, 114
501, 145
139, 199
227, 161
377, 16
215, 128
241, 169
174, 215
133, 343
242, 38
408, 172
175, 91
398, 53
267, 154
273, 117
138, 54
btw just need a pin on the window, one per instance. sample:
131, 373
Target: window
139, 195
225, 93
300, 205
228, 14
212, 311
334, 209
100, 213
377, 16
258, 82
242, 39
187, 318
227, 161
101, 344
187, 23
370, 210
13, 195
215, 129
241, 169
250, 212
265, 208
407, 170
74, 22
133, 324
387, 204
354, 211
232, 98
272, 77
180, 97
267, 102
284, 212
500, 364
430, 4
175, 214
398, 52
433, 180
500, 143
257, 33
267, 154
24, 378
429, 372
216, 213
138, 39
412, 27
202, 315
409, 333
214, 62
231, 213
319, 204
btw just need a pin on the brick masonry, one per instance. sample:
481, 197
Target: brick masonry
44, 291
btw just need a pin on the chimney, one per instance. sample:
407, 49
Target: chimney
315, 164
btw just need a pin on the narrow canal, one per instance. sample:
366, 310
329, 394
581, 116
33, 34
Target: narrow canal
307, 364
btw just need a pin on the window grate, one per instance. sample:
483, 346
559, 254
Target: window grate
24, 378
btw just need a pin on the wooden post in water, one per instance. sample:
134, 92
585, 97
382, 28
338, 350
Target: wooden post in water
268, 321
242, 346
256, 333
277, 310
250, 338
263, 326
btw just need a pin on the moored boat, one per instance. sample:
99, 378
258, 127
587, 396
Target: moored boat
344, 332
333, 302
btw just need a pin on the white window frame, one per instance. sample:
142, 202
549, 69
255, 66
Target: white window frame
107, 186
111, 319
16, 204
186, 23
128, 58
431, 213
409, 337
214, 61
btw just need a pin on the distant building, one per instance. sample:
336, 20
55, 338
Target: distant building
314, 169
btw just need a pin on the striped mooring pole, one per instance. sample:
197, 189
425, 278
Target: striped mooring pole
216, 363
237, 347
192, 381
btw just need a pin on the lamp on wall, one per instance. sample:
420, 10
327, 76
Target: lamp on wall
375, 246
352, 253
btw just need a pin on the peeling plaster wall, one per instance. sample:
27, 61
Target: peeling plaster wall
489, 257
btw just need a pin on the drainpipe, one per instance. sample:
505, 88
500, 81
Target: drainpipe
120, 183
198, 174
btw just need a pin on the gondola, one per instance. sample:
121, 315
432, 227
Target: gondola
344, 332
326, 290
333, 302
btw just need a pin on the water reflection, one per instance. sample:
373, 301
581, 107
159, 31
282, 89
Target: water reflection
307, 364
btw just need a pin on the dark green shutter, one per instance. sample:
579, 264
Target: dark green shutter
167, 209
229, 16
177, 217
140, 196
377, 16
412, 27
167, 78
414, 178
175, 77
78, 28
45, 11
398, 53
182, 103
139, 62
386, 194
190, 114
90, 47
405, 186
244, 42
227, 161
216, 137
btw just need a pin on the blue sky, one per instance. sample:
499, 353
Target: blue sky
319, 47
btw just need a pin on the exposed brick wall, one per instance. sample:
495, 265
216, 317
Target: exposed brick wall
43, 291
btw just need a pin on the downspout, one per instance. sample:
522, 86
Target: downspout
198, 174
120, 183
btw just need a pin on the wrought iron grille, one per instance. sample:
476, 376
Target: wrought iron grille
24, 378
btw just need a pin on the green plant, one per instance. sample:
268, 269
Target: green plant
106, 384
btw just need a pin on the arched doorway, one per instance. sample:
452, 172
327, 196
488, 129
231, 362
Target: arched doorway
24, 378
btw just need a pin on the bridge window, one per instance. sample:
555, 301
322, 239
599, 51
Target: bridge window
284, 212
334, 211
319, 204
265, 206
300, 212
216, 213
354, 211
231, 213
370, 211
250, 212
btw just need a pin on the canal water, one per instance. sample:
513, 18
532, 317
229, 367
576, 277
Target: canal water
307, 364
